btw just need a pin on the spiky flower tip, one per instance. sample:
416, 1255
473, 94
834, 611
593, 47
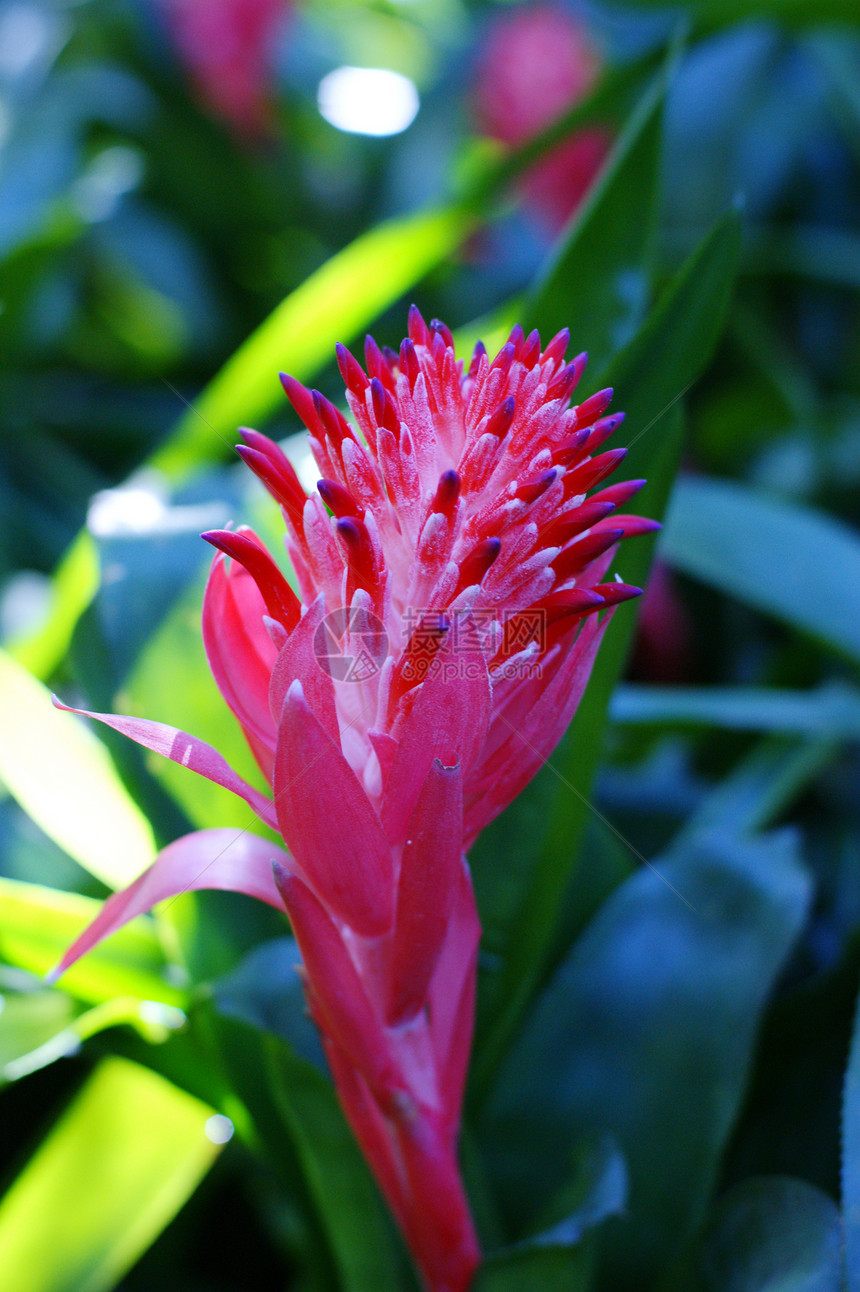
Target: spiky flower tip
452, 566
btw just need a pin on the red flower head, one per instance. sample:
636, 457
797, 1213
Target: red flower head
538, 62
451, 567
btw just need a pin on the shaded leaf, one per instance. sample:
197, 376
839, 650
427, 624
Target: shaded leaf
851, 1161
607, 251
350, 1209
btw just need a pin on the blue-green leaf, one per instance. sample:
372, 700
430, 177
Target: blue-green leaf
784, 559
774, 1233
851, 1161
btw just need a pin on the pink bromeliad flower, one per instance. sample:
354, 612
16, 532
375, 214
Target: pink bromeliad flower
452, 566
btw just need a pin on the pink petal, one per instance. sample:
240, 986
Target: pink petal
298, 659
525, 731
452, 996
223, 859
328, 822
189, 752
370, 1129
241, 654
427, 888
338, 996
448, 720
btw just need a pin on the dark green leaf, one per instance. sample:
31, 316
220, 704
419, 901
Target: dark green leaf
339, 1182
561, 1256
759, 787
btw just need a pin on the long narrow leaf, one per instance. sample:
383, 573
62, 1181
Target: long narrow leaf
113, 1172
829, 711
851, 1162
743, 542
38, 924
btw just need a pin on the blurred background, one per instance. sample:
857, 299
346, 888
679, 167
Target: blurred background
171, 173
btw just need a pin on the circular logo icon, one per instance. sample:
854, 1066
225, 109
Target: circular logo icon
350, 644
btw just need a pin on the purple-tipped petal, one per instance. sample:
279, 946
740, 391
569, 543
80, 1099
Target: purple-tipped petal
225, 859
186, 750
328, 823
426, 890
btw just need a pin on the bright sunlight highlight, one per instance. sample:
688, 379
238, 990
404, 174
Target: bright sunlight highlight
368, 100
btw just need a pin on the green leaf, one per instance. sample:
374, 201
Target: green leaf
774, 1234
334, 304
264, 993
743, 543
350, 1209
62, 775
38, 924
650, 374
651, 1024
550, 1266
561, 1256
793, 13
680, 335
140, 1148
28, 1020
851, 1161
759, 787
831, 710
597, 281
37, 1028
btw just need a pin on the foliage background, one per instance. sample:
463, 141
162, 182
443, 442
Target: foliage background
665, 1087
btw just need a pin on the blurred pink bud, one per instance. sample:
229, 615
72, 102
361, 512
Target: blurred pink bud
226, 45
537, 63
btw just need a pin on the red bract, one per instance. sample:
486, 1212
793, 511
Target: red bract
450, 571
